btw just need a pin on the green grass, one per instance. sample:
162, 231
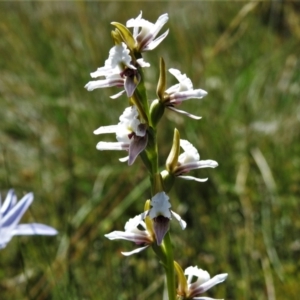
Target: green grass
244, 220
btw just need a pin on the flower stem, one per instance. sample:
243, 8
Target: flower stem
169, 266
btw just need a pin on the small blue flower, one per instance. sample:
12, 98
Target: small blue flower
10, 214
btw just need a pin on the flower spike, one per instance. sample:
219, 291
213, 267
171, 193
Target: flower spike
137, 133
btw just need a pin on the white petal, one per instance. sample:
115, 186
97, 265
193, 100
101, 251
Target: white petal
177, 74
124, 159
202, 275
106, 129
103, 71
160, 206
135, 29
161, 21
137, 250
92, 85
172, 89
209, 163
138, 236
183, 168
130, 113
110, 81
184, 113
182, 223
156, 42
185, 83
119, 54
142, 63
178, 97
190, 154
193, 178
210, 283
133, 222
134, 22
117, 95
112, 146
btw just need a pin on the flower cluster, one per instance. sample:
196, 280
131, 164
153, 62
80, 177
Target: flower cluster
136, 133
10, 214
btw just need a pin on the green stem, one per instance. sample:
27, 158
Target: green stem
169, 267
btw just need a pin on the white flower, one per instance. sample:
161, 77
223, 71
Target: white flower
130, 133
161, 214
10, 214
203, 282
118, 71
145, 39
190, 160
133, 234
156, 224
182, 91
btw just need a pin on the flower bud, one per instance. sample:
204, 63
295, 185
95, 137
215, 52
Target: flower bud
148, 221
161, 85
182, 282
172, 159
125, 34
156, 112
116, 36
168, 180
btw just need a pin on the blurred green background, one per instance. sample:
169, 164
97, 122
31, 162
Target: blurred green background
243, 221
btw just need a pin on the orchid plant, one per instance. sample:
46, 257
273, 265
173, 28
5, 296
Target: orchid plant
136, 133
